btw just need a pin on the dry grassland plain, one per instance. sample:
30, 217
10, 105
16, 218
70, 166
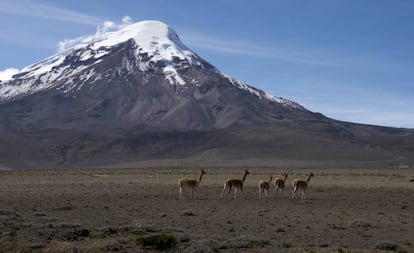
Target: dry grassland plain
107, 210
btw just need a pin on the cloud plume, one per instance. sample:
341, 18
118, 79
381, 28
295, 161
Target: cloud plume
106, 26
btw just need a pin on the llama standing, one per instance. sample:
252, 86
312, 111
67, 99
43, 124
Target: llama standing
186, 182
301, 184
280, 183
264, 186
236, 183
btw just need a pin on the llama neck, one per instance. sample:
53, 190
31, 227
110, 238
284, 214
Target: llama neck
284, 180
244, 177
309, 178
270, 180
201, 176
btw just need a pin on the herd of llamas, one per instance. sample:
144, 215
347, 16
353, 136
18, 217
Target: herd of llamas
237, 184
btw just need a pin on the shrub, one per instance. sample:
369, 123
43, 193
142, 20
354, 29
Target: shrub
159, 241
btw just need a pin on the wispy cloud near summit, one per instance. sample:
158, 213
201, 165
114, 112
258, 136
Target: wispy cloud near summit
106, 26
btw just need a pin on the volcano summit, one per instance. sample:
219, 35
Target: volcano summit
140, 96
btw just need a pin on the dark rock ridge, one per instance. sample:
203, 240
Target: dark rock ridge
124, 105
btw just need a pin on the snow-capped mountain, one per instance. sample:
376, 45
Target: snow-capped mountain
141, 74
140, 94
154, 43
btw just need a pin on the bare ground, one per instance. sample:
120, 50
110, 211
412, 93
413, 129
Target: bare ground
106, 210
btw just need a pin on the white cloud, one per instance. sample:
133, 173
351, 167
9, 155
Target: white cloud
106, 26
285, 53
69, 43
8, 73
252, 49
30, 8
126, 20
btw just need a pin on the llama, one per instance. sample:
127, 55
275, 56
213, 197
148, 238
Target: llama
264, 186
301, 184
280, 183
236, 183
191, 183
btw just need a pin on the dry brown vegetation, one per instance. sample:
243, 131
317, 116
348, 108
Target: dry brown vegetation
126, 210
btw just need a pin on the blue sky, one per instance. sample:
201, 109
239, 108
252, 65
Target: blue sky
350, 60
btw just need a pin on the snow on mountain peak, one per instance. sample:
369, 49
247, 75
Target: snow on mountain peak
154, 40
153, 37
8, 73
